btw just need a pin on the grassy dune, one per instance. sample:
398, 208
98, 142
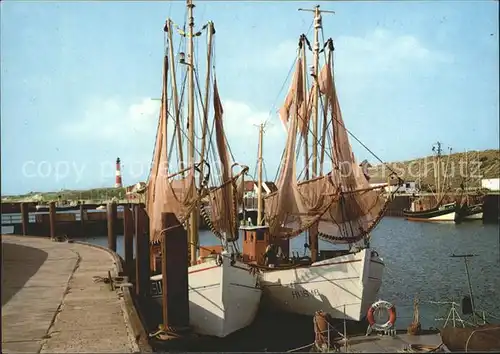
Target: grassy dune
481, 164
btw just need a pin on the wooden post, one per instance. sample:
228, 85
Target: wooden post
82, 220
174, 266
52, 219
128, 238
111, 210
25, 218
142, 270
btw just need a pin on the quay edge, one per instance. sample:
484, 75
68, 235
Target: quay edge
130, 311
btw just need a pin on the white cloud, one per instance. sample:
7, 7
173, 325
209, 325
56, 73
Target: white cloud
113, 119
375, 52
241, 125
241, 120
131, 128
382, 50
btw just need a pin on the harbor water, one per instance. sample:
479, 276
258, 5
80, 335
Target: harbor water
418, 264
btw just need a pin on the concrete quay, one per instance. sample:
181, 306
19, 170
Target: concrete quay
51, 303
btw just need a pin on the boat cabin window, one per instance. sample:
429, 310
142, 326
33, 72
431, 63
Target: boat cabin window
260, 235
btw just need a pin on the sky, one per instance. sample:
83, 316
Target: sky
78, 81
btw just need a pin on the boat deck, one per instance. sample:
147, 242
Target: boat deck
387, 344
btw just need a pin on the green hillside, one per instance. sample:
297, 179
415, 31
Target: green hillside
97, 194
481, 164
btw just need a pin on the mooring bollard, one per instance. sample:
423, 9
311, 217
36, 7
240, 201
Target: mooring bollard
142, 269
25, 218
128, 238
111, 210
174, 267
52, 219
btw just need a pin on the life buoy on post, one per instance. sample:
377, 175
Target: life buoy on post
385, 327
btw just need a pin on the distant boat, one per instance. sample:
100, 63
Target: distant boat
440, 211
470, 209
445, 212
101, 207
470, 212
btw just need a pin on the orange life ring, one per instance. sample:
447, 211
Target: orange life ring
390, 308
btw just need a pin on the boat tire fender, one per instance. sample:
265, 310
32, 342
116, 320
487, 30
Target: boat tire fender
390, 308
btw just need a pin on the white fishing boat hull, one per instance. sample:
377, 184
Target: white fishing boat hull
350, 282
476, 216
451, 216
223, 298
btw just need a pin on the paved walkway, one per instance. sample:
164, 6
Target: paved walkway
50, 302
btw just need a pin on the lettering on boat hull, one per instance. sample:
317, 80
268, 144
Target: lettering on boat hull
297, 294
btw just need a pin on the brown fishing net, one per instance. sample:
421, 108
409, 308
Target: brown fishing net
342, 202
171, 190
174, 193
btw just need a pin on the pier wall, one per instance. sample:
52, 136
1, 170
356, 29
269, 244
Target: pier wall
95, 223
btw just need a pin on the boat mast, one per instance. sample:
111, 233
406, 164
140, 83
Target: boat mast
193, 224
259, 180
211, 32
168, 27
438, 169
305, 120
315, 70
313, 230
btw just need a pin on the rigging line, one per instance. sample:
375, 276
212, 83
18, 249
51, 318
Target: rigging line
211, 149
255, 168
366, 147
273, 107
280, 165
265, 169
181, 101
170, 9
329, 121
154, 150
156, 137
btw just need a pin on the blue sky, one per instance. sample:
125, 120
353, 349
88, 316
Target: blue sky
77, 78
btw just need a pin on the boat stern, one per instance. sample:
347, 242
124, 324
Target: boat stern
370, 279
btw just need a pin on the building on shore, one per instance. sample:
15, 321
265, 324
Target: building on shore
393, 185
493, 184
